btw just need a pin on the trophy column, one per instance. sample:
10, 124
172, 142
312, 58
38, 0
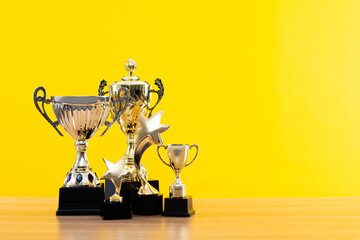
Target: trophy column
129, 159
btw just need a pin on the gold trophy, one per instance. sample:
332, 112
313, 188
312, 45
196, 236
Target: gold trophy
178, 204
140, 95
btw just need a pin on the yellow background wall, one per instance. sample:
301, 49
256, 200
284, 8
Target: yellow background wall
269, 90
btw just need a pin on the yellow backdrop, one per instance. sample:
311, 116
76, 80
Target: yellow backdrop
269, 90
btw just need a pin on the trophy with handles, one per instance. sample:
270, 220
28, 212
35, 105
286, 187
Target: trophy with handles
139, 104
81, 117
178, 204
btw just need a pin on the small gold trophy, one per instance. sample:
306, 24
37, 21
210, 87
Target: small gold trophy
178, 204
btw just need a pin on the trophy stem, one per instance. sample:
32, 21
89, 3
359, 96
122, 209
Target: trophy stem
177, 189
129, 163
81, 159
129, 155
177, 178
81, 174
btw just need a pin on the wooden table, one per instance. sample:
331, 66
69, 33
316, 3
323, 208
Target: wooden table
268, 218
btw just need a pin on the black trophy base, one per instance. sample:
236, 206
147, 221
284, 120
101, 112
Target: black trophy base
80, 201
147, 204
178, 207
116, 210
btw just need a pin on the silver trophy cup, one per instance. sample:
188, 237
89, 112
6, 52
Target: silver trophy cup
81, 117
177, 155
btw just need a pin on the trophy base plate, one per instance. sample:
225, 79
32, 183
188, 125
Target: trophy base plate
128, 189
147, 204
116, 210
80, 201
178, 207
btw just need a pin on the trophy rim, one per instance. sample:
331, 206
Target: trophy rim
80, 100
124, 82
177, 145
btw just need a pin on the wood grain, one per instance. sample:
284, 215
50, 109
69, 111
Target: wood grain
277, 218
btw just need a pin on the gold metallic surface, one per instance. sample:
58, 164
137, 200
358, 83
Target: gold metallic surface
140, 94
130, 66
149, 134
115, 172
129, 120
177, 155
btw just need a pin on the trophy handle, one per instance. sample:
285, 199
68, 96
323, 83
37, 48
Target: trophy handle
43, 100
102, 85
159, 92
197, 147
157, 149
119, 100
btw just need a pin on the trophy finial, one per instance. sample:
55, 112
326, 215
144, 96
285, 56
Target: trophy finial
130, 66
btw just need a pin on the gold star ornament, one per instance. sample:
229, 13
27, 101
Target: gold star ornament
149, 134
152, 127
116, 172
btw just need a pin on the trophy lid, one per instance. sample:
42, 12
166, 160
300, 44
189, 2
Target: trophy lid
130, 66
130, 81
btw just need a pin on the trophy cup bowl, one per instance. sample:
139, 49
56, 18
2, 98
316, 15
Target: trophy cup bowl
178, 204
129, 121
81, 117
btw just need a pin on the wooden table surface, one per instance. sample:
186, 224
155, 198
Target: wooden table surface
267, 218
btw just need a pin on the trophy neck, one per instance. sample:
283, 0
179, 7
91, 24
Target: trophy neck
177, 189
131, 138
177, 177
81, 159
129, 155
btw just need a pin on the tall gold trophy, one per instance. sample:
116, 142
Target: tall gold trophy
140, 96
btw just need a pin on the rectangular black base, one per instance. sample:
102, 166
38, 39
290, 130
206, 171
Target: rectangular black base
179, 207
128, 189
116, 210
148, 204
80, 201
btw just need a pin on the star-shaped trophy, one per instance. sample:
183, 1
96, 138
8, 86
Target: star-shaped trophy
116, 172
115, 207
148, 200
